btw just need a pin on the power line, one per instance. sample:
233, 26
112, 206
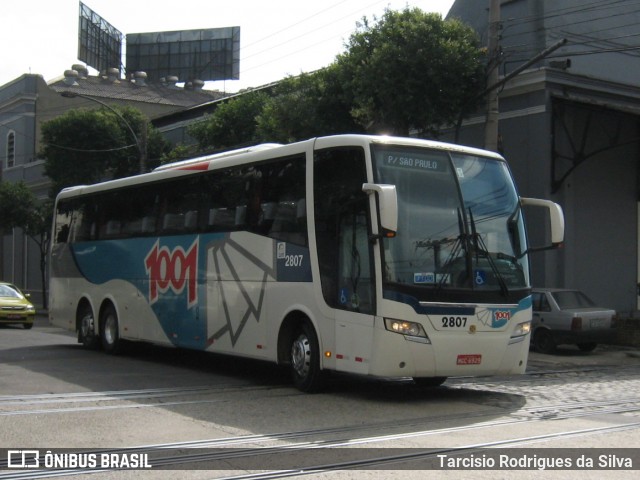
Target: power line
573, 12
562, 12
293, 39
614, 40
86, 150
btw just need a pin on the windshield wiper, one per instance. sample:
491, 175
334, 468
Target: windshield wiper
460, 243
481, 247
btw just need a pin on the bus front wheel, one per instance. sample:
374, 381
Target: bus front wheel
109, 333
305, 359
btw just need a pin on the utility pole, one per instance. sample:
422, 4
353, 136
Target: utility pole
143, 147
493, 51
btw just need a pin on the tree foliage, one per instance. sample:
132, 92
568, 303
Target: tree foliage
411, 70
232, 123
19, 208
306, 106
16, 204
407, 72
87, 146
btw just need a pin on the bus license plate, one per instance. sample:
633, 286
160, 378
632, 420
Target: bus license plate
475, 359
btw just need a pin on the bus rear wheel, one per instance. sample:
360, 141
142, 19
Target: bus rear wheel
429, 381
305, 359
86, 328
109, 331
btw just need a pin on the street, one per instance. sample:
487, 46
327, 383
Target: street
197, 415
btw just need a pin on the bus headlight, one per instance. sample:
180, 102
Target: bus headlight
403, 327
520, 331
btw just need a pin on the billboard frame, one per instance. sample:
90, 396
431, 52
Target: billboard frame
203, 54
99, 42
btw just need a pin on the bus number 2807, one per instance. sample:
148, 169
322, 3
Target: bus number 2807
453, 322
293, 260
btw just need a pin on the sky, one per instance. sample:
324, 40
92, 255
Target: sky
277, 37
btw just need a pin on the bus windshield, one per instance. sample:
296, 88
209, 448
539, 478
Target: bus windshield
460, 227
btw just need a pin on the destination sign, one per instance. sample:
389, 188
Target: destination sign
412, 161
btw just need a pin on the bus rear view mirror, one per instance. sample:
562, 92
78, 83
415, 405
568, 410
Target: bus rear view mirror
556, 217
388, 202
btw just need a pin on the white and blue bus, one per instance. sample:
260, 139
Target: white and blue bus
381, 256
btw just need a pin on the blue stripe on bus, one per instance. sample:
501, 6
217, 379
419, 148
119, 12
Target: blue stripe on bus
171, 273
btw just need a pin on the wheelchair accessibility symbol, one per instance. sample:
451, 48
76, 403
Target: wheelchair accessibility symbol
344, 296
480, 277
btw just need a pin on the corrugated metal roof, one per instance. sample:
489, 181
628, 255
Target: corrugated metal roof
121, 89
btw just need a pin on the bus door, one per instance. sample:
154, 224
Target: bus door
343, 225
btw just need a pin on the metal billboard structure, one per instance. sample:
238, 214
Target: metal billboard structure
99, 42
206, 54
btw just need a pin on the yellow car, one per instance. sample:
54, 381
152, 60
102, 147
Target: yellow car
15, 307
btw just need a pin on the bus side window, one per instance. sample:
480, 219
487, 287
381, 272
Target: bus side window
64, 216
180, 205
63, 234
139, 211
224, 197
282, 202
266, 199
84, 228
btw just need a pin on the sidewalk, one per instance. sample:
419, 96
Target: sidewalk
571, 356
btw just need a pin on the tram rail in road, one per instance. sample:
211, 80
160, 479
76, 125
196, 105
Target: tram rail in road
186, 415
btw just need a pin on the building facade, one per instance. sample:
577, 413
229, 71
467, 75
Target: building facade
569, 126
27, 102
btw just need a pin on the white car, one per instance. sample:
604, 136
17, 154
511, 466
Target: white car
562, 316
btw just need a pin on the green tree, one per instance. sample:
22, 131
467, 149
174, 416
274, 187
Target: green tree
16, 204
233, 122
19, 208
38, 228
87, 146
179, 152
306, 106
411, 70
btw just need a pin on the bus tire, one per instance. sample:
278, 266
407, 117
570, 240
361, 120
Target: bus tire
86, 327
109, 331
305, 359
429, 381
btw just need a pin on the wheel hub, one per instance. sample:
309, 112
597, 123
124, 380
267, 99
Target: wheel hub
301, 355
86, 326
110, 330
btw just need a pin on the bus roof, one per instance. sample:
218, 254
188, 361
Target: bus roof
264, 151
217, 156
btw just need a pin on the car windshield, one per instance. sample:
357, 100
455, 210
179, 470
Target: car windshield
9, 291
459, 226
572, 299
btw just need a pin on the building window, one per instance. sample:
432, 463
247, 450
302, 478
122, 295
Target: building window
11, 149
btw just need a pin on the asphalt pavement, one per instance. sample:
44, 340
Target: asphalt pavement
565, 356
